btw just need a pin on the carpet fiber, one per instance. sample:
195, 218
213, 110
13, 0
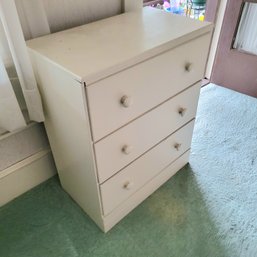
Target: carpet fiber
209, 208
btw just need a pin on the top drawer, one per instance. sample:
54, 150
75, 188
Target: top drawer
120, 98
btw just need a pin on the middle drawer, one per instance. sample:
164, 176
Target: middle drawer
132, 178
128, 143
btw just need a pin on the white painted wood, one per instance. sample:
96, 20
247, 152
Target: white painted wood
133, 5
11, 117
161, 77
123, 41
10, 134
12, 27
115, 190
96, 54
143, 133
25, 175
128, 205
215, 38
69, 134
21, 144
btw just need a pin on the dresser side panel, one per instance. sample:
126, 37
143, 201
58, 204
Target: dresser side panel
68, 129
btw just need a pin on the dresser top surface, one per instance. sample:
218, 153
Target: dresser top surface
94, 51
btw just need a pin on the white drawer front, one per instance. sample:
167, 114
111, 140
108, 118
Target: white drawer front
122, 97
117, 189
128, 143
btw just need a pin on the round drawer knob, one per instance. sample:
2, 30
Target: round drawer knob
127, 149
128, 185
182, 111
188, 66
177, 146
126, 101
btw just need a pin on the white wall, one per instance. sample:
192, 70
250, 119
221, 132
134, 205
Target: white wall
63, 14
133, 5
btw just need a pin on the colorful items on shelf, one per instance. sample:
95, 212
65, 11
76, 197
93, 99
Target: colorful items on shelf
201, 17
173, 7
181, 7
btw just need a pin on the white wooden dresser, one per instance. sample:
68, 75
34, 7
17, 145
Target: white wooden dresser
120, 98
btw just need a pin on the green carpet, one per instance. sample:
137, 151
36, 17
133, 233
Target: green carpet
208, 209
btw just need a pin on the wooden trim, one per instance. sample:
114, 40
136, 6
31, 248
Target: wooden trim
24, 162
216, 17
211, 10
9, 134
25, 175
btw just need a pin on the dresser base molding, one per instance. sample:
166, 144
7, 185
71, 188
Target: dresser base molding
126, 207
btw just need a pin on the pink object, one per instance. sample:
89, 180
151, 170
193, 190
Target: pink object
166, 5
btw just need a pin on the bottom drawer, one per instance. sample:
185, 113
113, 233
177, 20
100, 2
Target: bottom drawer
118, 188
138, 197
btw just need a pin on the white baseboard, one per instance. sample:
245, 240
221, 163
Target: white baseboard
25, 175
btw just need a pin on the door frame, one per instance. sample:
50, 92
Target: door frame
211, 11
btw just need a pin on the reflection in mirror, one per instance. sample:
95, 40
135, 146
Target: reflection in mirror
246, 37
